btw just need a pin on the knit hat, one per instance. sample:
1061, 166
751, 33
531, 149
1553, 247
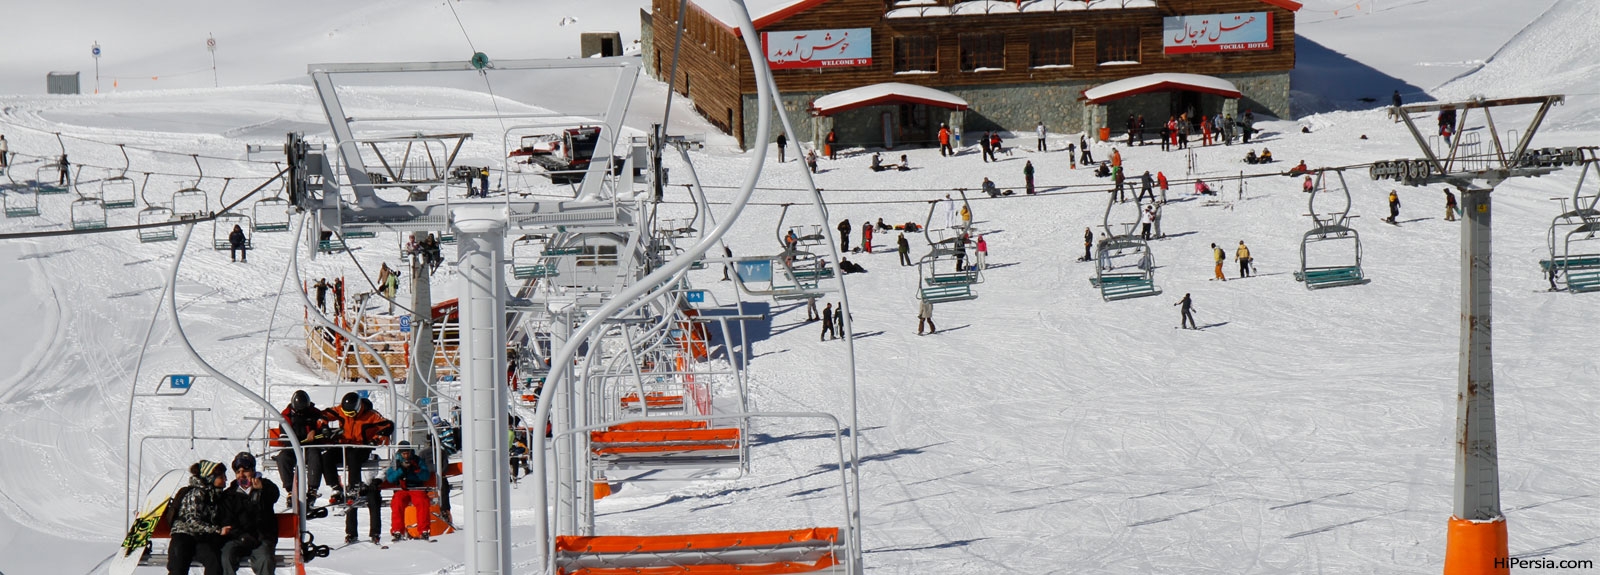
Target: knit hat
209, 468
244, 460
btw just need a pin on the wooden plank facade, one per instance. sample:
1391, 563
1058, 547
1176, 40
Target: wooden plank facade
714, 68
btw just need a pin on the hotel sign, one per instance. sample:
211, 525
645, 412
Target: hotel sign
1201, 33
818, 48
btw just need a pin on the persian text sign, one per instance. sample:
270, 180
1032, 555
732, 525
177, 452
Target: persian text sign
1216, 33
818, 48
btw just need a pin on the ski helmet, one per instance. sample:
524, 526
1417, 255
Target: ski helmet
351, 403
300, 400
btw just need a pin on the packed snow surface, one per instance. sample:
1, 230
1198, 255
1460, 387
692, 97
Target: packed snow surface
1042, 430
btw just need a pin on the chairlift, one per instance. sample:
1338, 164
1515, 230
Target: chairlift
20, 202
222, 227
117, 192
942, 276
88, 214
1124, 264
271, 214
156, 215
805, 235
527, 259
1339, 264
192, 202
45, 175
1574, 242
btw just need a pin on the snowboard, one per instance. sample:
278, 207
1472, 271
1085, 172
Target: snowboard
144, 523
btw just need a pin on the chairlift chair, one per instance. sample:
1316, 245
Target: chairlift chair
222, 227
156, 215
20, 202
45, 178
117, 192
1331, 229
190, 203
1124, 268
527, 261
88, 214
270, 215
1574, 242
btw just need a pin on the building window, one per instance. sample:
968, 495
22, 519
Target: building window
1050, 48
983, 52
916, 54
1117, 45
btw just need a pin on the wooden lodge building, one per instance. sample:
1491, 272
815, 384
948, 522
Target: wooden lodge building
995, 64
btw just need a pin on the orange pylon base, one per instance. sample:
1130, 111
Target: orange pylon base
1476, 548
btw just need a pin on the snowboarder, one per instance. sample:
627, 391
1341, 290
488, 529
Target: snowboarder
412, 476
1220, 257
306, 422
1088, 242
1229, 126
844, 235
1394, 207
1186, 306
981, 257
883, 227
1168, 132
905, 249
199, 521
783, 145
944, 141
984, 149
1040, 131
250, 503
483, 182
827, 323
1242, 255
925, 317
866, 237
831, 147
1027, 176
1450, 207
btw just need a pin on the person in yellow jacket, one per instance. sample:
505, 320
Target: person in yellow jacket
1220, 256
1242, 255
966, 217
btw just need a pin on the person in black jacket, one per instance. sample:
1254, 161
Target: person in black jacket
827, 323
904, 247
844, 236
199, 522
238, 245
249, 501
310, 427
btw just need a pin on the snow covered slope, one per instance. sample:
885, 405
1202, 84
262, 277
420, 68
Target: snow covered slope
1553, 55
1041, 431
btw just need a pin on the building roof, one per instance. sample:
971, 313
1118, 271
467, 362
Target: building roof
1160, 83
768, 12
886, 93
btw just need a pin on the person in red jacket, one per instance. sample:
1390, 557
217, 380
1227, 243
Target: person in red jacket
358, 425
944, 141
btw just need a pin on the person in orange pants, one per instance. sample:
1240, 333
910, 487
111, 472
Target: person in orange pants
1221, 256
412, 475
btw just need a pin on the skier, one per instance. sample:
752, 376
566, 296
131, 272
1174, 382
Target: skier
307, 424
1450, 208
1088, 242
827, 323
250, 502
1027, 176
1220, 256
1187, 308
1040, 130
359, 426
199, 520
984, 149
483, 182
783, 144
1242, 255
925, 317
1394, 207
844, 235
831, 147
412, 476
981, 256
391, 285
944, 141
905, 249
866, 237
